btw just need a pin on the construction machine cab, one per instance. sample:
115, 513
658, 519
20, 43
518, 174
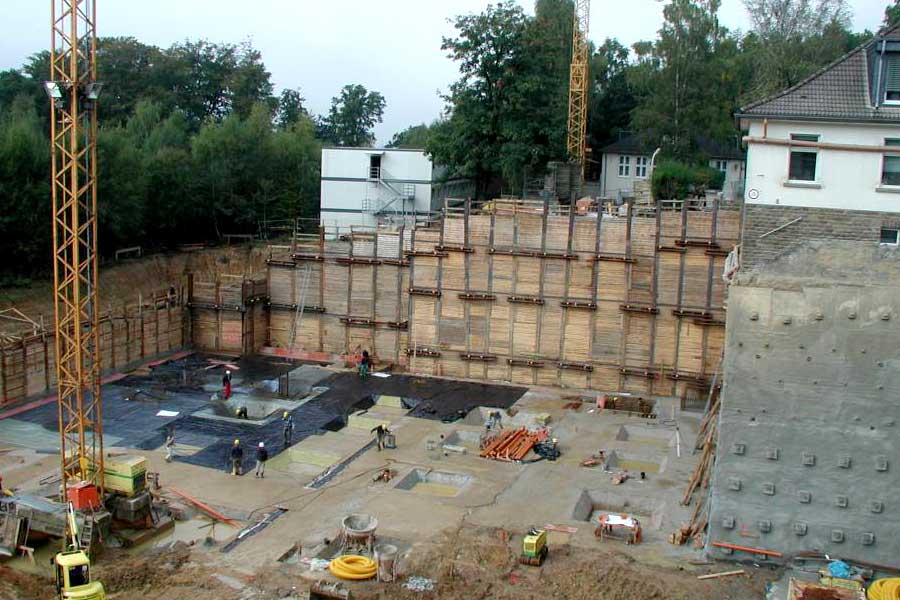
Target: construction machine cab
73, 577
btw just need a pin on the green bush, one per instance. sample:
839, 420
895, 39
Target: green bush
673, 180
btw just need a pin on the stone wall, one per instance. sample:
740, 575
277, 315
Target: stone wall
814, 224
809, 453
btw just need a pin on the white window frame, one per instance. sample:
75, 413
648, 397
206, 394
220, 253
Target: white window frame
624, 166
721, 166
896, 241
889, 60
791, 149
881, 183
641, 164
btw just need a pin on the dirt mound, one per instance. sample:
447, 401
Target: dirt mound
15, 585
479, 563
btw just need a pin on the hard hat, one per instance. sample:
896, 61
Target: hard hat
261, 445
227, 372
284, 416
237, 412
236, 442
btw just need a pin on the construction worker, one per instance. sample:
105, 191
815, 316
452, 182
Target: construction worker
365, 364
262, 455
237, 457
226, 385
287, 427
242, 413
170, 446
379, 432
496, 420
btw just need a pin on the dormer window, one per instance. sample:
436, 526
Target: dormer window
892, 79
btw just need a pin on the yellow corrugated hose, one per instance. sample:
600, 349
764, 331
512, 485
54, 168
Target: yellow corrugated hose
353, 566
884, 589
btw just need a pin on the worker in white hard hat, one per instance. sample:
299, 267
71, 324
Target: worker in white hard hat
226, 385
262, 455
237, 458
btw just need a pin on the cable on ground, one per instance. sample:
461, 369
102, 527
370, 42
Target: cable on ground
353, 567
884, 589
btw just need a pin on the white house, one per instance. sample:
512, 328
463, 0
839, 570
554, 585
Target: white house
824, 155
626, 164
365, 186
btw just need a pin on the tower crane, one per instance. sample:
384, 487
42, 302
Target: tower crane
73, 92
578, 87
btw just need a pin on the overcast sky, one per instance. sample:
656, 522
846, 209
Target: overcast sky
392, 46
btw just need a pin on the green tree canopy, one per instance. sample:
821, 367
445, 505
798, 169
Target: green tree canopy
414, 136
352, 117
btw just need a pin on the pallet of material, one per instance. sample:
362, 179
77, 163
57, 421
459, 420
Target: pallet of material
512, 445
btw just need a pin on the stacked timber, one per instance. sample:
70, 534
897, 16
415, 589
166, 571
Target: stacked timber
695, 528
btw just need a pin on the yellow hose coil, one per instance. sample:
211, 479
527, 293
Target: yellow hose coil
884, 589
353, 567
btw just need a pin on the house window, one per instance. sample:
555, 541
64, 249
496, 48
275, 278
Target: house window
803, 160
624, 166
890, 165
892, 79
890, 236
640, 166
721, 165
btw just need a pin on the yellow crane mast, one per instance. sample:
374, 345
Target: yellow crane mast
73, 92
578, 86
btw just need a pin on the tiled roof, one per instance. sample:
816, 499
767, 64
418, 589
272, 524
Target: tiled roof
646, 142
839, 91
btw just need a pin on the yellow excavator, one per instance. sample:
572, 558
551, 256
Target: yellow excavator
73, 568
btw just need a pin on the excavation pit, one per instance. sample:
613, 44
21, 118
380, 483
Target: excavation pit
635, 463
660, 438
258, 411
433, 483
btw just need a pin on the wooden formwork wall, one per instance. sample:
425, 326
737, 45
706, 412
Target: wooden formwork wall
228, 314
629, 301
625, 302
127, 335
341, 296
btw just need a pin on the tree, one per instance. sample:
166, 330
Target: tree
609, 113
679, 87
249, 83
470, 139
892, 14
796, 37
352, 117
25, 190
414, 136
290, 108
130, 71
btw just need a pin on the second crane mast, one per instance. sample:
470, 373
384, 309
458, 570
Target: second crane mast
578, 87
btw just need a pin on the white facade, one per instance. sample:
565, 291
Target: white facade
364, 186
733, 186
843, 179
621, 171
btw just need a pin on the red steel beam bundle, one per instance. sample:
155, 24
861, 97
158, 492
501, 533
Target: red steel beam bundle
513, 444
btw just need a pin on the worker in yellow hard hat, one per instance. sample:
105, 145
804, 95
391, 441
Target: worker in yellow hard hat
237, 458
242, 413
287, 428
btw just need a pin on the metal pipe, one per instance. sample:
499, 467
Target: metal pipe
823, 145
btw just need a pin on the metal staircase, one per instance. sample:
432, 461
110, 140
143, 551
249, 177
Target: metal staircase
383, 193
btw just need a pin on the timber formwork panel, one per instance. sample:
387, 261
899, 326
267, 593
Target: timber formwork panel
532, 295
28, 365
